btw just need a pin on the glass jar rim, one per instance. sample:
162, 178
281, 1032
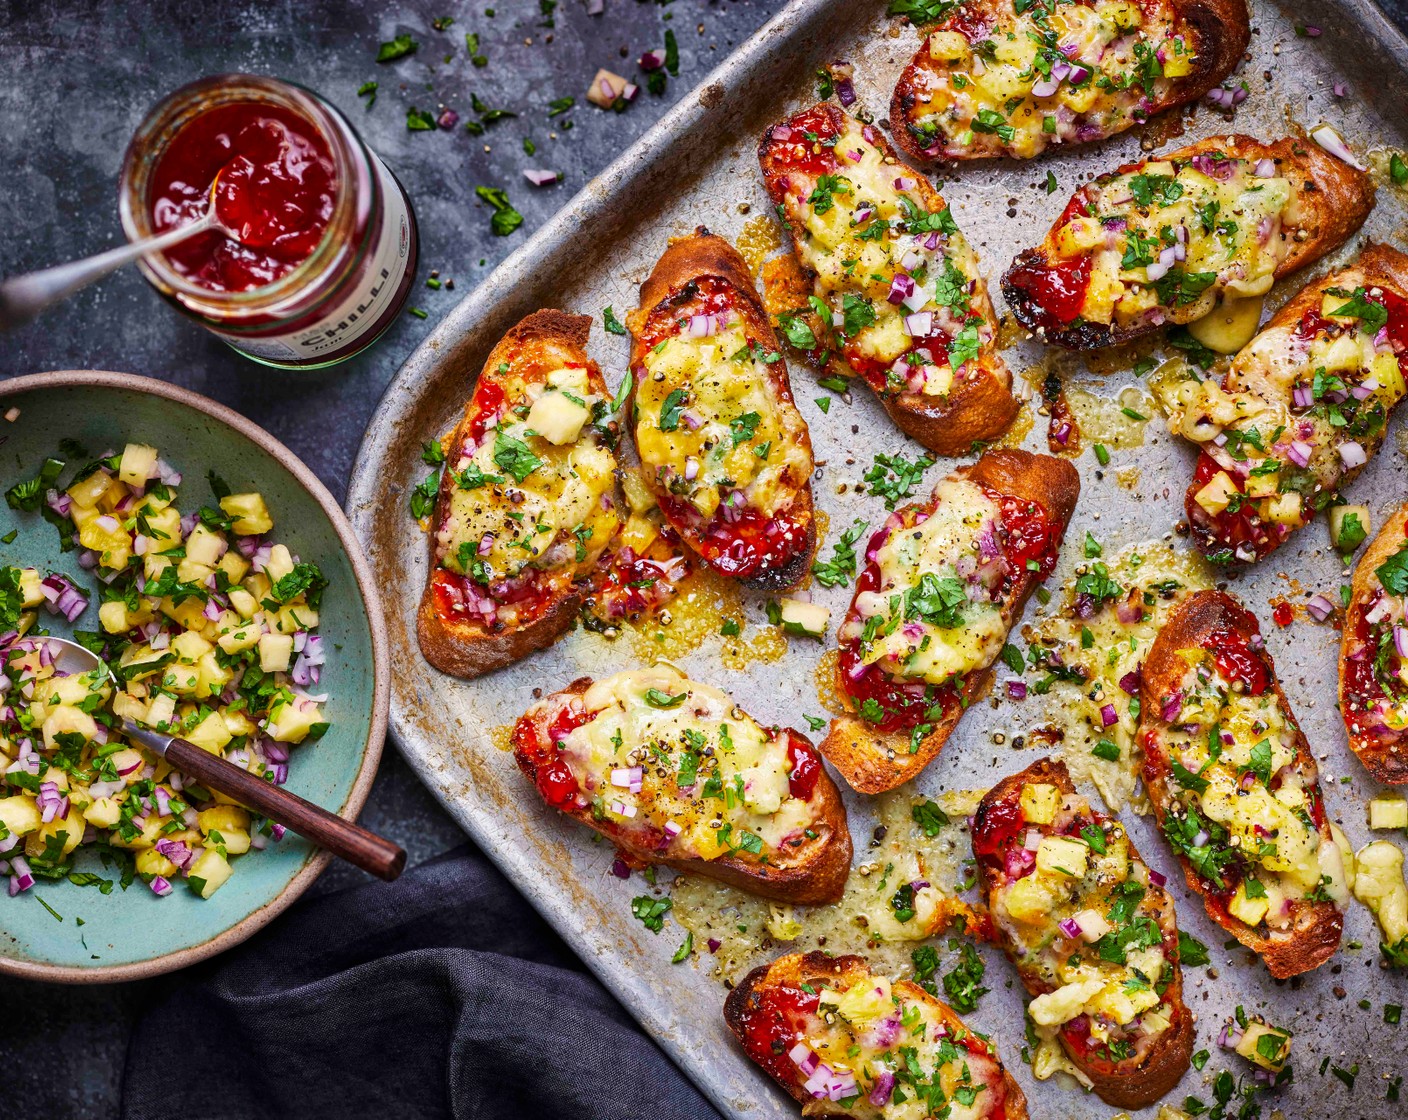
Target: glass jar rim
170, 115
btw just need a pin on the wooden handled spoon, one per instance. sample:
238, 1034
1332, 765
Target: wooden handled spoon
341, 837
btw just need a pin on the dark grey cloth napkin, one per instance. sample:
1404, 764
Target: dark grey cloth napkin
443, 994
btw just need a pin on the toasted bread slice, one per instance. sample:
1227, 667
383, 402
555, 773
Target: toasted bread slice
1376, 721
1106, 88
1208, 671
926, 346
613, 754
1303, 376
1106, 272
712, 407
982, 523
868, 1043
503, 585
1106, 895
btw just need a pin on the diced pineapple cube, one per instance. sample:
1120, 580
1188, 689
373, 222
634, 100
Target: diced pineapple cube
1385, 811
1264, 485
86, 492
243, 602
127, 706
20, 815
1285, 509
639, 496
279, 564
236, 841
258, 585
188, 571
66, 719
165, 526
240, 639
102, 813
1270, 1054
189, 613
947, 46
223, 818
210, 734
31, 587
1248, 910
558, 419
190, 646
235, 566
1217, 494
1179, 64
639, 533
1229, 326
290, 620
112, 617
1059, 855
1342, 354
275, 652
213, 676
153, 564
1121, 14
291, 722
138, 464
249, 516
1040, 802
152, 863
1028, 900
864, 1003
204, 546
161, 712
238, 722
1349, 527
1079, 235
71, 825
209, 872
1389, 375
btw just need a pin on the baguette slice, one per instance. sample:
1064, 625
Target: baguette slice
1028, 499
1076, 290
1378, 723
846, 197
1109, 86
1296, 376
1107, 894
613, 754
854, 1063
711, 401
536, 501
1208, 668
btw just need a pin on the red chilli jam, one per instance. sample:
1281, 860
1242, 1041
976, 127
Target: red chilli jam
324, 248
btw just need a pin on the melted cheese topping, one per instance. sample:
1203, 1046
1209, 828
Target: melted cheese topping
1280, 421
667, 752
869, 1033
1251, 797
934, 616
1115, 970
1166, 239
711, 422
866, 229
1379, 885
1032, 80
531, 491
1097, 651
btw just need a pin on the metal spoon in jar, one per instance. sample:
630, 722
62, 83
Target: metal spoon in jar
341, 837
24, 297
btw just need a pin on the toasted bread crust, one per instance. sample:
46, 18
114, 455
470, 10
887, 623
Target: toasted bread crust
1334, 200
872, 762
1318, 926
1133, 1084
797, 968
1383, 752
464, 648
816, 876
687, 259
1222, 29
1381, 266
980, 404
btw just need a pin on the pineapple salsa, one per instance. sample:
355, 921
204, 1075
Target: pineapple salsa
208, 631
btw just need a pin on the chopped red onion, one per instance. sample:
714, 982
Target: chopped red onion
1320, 607
1303, 396
1157, 878
541, 177
1047, 87
1017, 690
1333, 142
920, 324
652, 60
1300, 452
1352, 454
1130, 682
1108, 716
1069, 926
160, 887
845, 92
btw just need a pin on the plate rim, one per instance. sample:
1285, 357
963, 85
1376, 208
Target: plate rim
372, 749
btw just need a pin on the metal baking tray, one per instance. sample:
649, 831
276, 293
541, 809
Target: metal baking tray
698, 166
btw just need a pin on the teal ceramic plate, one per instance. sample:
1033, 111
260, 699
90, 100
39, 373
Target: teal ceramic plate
132, 934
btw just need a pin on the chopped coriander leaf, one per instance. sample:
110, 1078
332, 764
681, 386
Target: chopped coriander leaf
399, 47
368, 90
611, 323
929, 817
651, 911
838, 571
893, 477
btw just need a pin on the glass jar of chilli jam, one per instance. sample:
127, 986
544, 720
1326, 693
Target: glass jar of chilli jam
327, 245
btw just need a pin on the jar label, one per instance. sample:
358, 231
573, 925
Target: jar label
360, 309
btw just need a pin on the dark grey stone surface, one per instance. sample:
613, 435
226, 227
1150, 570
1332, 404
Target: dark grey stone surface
76, 78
